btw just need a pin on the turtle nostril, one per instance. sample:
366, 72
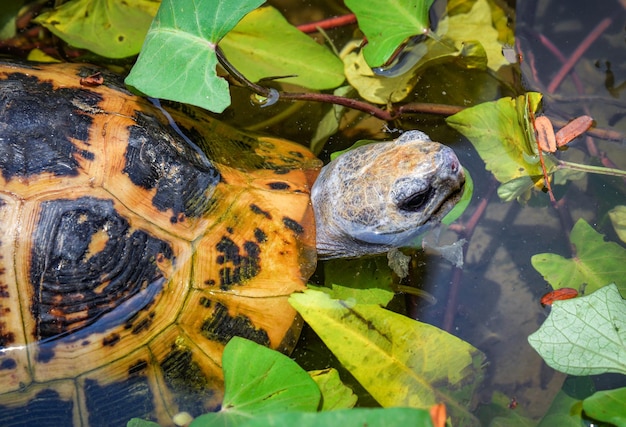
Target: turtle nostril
454, 165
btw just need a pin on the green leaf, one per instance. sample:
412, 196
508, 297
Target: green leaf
8, 15
399, 361
265, 45
618, 219
335, 394
344, 418
110, 28
388, 23
499, 414
178, 60
566, 409
586, 335
596, 262
259, 380
608, 406
502, 134
462, 204
370, 280
138, 422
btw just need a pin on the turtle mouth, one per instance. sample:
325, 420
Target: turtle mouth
448, 203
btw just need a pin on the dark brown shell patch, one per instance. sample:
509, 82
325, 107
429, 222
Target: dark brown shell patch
39, 127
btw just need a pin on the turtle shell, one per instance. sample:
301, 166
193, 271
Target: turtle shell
135, 241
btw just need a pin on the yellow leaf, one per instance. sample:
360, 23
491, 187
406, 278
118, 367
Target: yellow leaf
114, 29
399, 361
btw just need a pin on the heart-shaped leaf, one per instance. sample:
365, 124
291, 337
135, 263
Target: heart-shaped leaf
178, 60
595, 264
586, 335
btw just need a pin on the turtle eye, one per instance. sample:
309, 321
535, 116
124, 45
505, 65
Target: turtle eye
416, 201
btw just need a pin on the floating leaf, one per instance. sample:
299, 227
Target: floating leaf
265, 45
399, 361
618, 218
110, 28
388, 23
608, 406
502, 134
596, 262
178, 60
335, 394
586, 335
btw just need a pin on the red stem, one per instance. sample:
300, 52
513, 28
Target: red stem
326, 24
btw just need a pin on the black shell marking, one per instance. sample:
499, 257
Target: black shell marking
222, 327
74, 287
157, 157
40, 128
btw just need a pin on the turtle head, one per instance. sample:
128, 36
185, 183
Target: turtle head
382, 195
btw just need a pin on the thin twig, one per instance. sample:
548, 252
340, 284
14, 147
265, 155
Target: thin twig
379, 113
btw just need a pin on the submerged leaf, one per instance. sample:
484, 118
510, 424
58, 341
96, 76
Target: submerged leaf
110, 28
586, 335
596, 262
618, 218
178, 60
400, 362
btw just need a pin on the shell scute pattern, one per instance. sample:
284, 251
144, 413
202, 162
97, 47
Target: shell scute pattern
129, 257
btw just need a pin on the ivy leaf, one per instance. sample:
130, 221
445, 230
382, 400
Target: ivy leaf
380, 350
596, 262
109, 28
178, 60
586, 335
388, 23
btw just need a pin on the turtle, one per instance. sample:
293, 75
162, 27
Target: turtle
138, 237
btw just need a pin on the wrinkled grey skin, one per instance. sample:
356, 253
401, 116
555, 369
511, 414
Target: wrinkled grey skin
382, 195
